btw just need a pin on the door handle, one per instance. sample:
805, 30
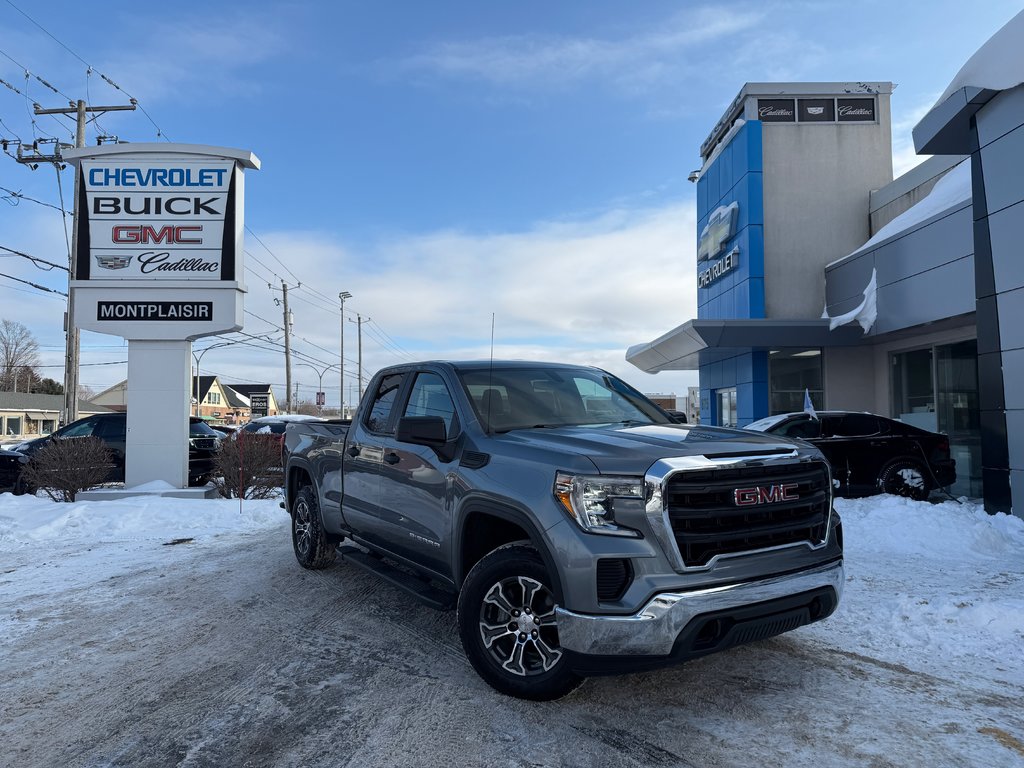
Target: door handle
353, 451
392, 458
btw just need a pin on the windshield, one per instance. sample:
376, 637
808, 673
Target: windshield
521, 398
201, 429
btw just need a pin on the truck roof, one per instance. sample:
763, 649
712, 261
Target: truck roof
478, 365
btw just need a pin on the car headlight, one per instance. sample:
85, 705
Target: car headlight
590, 500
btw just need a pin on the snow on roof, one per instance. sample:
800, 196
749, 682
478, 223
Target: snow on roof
997, 65
952, 189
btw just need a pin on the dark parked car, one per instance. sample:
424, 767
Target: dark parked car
11, 463
871, 454
272, 425
203, 443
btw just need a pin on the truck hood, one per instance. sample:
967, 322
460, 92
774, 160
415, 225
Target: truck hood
631, 449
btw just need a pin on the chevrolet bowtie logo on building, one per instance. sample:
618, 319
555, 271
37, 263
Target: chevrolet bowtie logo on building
113, 262
771, 494
721, 228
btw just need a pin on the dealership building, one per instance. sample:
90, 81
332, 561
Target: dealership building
819, 272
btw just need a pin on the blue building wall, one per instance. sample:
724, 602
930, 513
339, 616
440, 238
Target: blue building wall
736, 177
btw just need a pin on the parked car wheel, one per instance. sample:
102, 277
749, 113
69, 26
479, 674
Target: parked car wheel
313, 548
506, 618
905, 478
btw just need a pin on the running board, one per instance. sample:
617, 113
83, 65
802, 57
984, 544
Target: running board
421, 589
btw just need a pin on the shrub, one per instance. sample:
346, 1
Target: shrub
64, 467
249, 467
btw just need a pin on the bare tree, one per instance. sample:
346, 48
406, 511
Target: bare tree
249, 466
63, 468
19, 357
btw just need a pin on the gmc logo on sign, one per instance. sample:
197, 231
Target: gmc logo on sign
147, 234
773, 494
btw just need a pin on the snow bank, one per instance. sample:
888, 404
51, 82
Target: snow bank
25, 520
961, 532
932, 583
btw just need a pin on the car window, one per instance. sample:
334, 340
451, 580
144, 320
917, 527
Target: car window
430, 397
857, 425
79, 429
383, 401
111, 429
804, 428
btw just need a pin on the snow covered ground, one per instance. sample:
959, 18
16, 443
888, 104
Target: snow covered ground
121, 648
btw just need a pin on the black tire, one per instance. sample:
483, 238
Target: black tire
313, 548
510, 589
22, 488
905, 477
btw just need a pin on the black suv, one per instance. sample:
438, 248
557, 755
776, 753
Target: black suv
871, 454
203, 443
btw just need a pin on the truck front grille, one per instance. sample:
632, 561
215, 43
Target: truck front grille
726, 511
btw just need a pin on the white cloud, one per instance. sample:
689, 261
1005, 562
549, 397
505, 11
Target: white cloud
580, 291
633, 62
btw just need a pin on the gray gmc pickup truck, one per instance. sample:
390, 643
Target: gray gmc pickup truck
577, 529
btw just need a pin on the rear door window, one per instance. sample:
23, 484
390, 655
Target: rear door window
379, 418
857, 425
111, 430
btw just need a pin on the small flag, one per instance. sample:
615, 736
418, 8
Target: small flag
808, 405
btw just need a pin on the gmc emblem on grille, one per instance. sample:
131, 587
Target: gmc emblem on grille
772, 494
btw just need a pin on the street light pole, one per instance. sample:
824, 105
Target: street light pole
320, 388
341, 366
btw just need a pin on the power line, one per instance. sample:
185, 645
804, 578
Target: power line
159, 130
34, 259
273, 255
34, 285
19, 196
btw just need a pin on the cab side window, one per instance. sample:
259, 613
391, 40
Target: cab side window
377, 420
430, 397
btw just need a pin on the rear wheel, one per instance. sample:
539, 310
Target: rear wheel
313, 548
506, 617
905, 478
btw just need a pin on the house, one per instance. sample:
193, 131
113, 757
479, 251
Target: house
24, 416
212, 400
262, 392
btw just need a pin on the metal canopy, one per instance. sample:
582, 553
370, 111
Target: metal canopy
700, 341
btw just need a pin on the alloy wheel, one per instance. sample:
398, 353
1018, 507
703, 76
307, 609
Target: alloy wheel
517, 626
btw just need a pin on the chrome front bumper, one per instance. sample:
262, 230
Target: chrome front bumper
654, 629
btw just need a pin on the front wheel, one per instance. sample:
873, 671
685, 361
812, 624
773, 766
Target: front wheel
506, 617
905, 478
313, 548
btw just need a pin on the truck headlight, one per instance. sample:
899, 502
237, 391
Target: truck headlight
590, 500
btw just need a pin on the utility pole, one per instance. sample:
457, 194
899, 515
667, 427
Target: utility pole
359, 322
72, 334
341, 367
287, 344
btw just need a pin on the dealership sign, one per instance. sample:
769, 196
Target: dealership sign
259, 404
720, 229
158, 231
830, 109
153, 220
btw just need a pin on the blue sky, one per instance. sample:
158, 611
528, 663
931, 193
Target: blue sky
444, 161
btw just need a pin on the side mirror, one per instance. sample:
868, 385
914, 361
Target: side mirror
422, 430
